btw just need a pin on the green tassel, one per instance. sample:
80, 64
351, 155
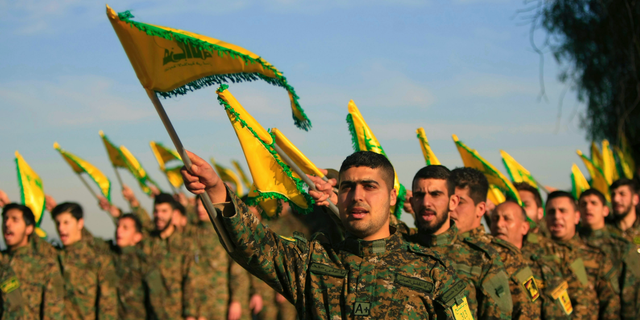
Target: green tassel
279, 80
354, 134
400, 201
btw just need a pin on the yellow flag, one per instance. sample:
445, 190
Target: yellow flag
472, 159
295, 155
116, 157
363, 139
227, 175
137, 170
428, 154
164, 155
578, 182
625, 167
496, 195
596, 155
628, 154
31, 191
243, 176
272, 177
598, 181
80, 166
173, 62
609, 163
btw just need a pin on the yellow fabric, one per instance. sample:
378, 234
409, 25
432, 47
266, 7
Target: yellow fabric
596, 155
270, 207
31, 191
227, 175
269, 176
428, 154
624, 164
367, 140
495, 195
80, 166
472, 159
578, 181
517, 171
163, 154
116, 158
609, 163
136, 169
628, 156
243, 176
295, 155
598, 181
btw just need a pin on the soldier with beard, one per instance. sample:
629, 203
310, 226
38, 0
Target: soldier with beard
593, 289
625, 257
37, 275
509, 223
532, 203
372, 274
471, 186
172, 254
624, 201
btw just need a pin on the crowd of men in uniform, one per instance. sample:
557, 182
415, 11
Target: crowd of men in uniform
565, 258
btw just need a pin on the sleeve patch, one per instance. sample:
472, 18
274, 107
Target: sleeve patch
415, 283
528, 282
578, 269
10, 285
319, 268
498, 288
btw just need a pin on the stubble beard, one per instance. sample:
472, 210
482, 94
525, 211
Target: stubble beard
432, 228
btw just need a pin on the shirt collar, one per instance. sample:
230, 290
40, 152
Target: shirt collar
363, 248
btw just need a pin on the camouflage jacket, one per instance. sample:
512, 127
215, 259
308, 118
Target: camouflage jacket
140, 289
522, 285
594, 270
632, 234
89, 281
12, 305
386, 278
174, 257
547, 271
626, 261
215, 278
44, 248
40, 283
475, 263
147, 224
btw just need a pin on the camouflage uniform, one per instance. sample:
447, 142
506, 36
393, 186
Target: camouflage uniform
386, 278
216, 279
42, 247
12, 305
518, 270
475, 263
147, 224
632, 234
595, 271
89, 281
543, 229
174, 257
140, 288
548, 274
626, 261
40, 283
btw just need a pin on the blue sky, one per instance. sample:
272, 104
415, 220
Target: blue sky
462, 67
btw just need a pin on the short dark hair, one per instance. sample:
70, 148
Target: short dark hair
524, 212
370, 160
438, 172
474, 179
594, 192
562, 194
524, 186
181, 208
166, 198
71, 207
27, 214
136, 220
624, 182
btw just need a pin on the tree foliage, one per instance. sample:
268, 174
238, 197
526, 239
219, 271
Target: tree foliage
598, 43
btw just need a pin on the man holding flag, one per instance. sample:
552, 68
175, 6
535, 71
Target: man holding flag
37, 275
386, 276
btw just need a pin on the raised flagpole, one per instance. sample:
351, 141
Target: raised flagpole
206, 200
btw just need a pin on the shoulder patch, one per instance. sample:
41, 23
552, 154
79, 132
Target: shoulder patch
10, 284
319, 268
449, 297
560, 294
528, 283
578, 269
498, 288
415, 283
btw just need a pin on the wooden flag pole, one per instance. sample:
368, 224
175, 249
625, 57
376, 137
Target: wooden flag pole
206, 200
304, 177
118, 177
88, 186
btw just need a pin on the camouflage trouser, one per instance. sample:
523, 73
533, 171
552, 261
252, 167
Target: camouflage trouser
273, 310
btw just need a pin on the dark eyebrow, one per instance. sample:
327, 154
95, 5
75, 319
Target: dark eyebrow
365, 181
